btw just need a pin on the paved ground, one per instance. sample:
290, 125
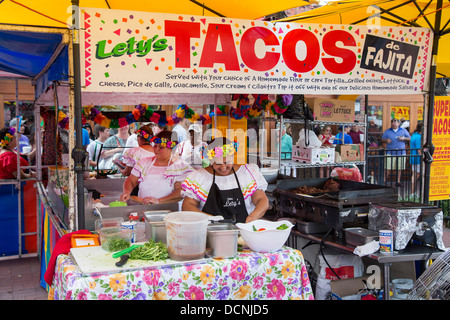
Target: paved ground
20, 278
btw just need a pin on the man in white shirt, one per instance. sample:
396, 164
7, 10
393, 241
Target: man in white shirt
181, 129
93, 149
190, 150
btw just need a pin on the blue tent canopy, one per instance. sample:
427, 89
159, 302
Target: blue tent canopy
27, 53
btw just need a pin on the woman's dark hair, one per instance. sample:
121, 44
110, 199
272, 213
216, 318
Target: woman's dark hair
91, 132
166, 134
419, 127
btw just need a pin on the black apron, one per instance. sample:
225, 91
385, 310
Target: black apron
227, 203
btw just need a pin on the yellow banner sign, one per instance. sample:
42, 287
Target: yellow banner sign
440, 168
399, 113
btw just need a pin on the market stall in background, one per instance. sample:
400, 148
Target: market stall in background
222, 74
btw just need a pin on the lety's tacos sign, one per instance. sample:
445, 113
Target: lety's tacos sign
126, 51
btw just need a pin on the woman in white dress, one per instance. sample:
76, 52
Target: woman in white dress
159, 177
144, 150
236, 192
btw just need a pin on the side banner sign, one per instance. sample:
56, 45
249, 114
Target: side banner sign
440, 167
128, 51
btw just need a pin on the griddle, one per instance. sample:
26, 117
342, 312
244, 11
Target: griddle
334, 208
350, 192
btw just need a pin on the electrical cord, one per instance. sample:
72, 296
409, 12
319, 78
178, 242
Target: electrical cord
434, 245
322, 244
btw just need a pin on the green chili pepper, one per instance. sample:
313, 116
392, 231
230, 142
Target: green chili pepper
282, 227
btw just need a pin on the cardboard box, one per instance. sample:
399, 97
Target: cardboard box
332, 109
349, 152
347, 288
313, 155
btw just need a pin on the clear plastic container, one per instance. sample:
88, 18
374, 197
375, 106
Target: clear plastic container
186, 235
115, 238
108, 223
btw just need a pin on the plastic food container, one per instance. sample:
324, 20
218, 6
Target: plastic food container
155, 226
360, 236
117, 204
222, 239
108, 223
186, 235
270, 239
115, 238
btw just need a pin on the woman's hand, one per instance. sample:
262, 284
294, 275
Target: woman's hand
151, 200
250, 218
124, 197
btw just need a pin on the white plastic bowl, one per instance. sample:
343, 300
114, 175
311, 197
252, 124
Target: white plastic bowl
268, 240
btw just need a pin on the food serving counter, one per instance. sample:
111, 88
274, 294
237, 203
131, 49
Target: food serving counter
100, 197
278, 275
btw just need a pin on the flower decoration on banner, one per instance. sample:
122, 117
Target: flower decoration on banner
94, 113
222, 110
63, 121
281, 104
243, 109
236, 113
243, 106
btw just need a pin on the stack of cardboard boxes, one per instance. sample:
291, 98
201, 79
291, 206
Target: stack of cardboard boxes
330, 110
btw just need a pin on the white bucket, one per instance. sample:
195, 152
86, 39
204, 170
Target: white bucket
186, 235
401, 287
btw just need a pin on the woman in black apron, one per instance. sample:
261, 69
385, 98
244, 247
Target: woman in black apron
228, 203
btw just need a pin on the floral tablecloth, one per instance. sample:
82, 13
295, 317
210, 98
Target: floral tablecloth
249, 275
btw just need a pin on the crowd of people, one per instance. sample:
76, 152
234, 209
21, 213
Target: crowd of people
163, 166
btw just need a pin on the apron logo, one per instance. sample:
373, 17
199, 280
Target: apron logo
231, 203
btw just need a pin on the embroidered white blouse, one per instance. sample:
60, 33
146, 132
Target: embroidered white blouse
176, 172
132, 155
198, 183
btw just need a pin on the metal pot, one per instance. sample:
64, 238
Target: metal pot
222, 240
155, 227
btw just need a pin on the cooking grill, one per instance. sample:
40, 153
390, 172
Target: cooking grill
350, 204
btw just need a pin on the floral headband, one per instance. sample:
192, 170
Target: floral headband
222, 151
165, 142
144, 134
8, 137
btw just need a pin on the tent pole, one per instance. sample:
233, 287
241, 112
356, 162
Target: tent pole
78, 153
428, 147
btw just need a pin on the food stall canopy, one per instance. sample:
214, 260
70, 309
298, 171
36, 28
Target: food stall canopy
36, 55
26, 53
57, 13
